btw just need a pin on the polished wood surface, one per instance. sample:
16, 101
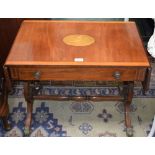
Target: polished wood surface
41, 43
39, 53
77, 73
8, 31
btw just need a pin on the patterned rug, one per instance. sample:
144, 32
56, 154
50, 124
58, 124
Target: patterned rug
70, 118
81, 119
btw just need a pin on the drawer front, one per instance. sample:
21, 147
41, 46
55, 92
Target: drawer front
78, 73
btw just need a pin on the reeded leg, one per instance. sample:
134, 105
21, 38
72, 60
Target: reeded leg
128, 90
29, 99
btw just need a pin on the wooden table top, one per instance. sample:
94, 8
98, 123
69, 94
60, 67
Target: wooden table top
42, 42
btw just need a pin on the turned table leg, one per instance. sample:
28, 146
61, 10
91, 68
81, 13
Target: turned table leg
128, 90
29, 99
4, 109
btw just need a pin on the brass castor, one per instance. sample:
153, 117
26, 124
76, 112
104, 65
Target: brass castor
27, 132
7, 127
6, 124
129, 132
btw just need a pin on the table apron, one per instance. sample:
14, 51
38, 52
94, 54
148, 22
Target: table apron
78, 73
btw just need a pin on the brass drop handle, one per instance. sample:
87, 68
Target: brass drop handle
37, 75
117, 75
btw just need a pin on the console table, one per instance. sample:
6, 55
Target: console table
77, 50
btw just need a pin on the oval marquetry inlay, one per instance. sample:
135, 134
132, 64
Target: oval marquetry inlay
78, 40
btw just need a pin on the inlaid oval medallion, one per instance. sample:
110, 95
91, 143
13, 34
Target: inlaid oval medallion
78, 40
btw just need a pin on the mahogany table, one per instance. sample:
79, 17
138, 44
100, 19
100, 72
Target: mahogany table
77, 50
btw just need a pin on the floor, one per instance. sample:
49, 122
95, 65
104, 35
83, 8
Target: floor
78, 119
82, 119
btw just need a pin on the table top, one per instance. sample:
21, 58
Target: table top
47, 42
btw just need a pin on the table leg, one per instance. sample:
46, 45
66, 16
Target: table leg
29, 99
4, 109
6, 124
128, 90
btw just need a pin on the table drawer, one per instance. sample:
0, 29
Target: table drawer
78, 73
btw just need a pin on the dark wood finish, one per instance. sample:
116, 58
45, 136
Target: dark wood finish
128, 95
39, 54
146, 82
7, 79
8, 31
145, 27
4, 109
29, 99
79, 98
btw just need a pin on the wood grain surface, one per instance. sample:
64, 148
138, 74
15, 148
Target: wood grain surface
41, 43
77, 73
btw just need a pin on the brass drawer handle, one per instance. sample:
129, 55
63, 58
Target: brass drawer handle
37, 75
117, 75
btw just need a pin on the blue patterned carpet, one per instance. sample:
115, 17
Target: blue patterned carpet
70, 118
43, 122
100, 119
